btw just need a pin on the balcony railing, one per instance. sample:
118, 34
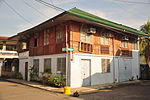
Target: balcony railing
8, 54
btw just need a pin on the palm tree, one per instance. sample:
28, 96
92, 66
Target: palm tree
146, 28
145, 41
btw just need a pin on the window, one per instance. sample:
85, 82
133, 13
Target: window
36, 66
1, 46
59, 34
47, 65
86, 47
24, 45
104, 40
124, 44
61, 65
135, 45
105, 65
35, 42
46, 37
104, 49
85, 37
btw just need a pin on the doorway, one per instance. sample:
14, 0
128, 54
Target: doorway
26, 71
86, 72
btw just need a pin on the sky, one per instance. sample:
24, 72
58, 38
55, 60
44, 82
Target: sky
19, 15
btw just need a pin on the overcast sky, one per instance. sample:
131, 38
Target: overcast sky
133, 13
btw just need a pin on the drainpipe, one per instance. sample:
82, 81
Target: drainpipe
67, 56
113, 60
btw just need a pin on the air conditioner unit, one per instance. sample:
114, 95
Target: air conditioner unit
125, 38
108, 35
91, 30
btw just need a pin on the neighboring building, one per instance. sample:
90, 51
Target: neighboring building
8, 56
84, 48
145, 58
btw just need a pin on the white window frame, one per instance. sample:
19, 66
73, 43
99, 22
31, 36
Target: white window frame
104, 40
124, 44
106, 67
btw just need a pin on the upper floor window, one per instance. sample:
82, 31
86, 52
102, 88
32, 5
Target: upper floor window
104, 40
46, 37
124, 44
59, 34
85, 36
135, 45
35, 42
1, 46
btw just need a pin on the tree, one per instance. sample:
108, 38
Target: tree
145, 42
146, 28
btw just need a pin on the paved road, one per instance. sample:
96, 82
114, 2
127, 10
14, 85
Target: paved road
13, 91
140, 91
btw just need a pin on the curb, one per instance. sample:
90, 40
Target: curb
32, 86
110, 86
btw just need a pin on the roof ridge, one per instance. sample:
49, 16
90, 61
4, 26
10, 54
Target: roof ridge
81, 13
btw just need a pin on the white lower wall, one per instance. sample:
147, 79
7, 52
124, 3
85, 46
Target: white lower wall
135, 64
74, 68
97, 77
41, 62
22, 66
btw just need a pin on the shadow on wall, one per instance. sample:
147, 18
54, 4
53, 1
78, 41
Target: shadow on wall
98, 78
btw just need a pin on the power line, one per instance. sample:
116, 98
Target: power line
52, 2
50, 5
129, 11
35, 9
16, 12
133, 2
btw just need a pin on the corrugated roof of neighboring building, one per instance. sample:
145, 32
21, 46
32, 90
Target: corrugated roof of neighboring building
3, 38
91, 17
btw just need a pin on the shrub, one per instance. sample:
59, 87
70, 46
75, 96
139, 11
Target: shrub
18, 75
33, 74
59, 81
47, 78
47, 70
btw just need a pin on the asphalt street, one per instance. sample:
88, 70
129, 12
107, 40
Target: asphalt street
14, 91
139, 91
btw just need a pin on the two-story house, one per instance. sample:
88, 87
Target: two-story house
84, 48
8, 56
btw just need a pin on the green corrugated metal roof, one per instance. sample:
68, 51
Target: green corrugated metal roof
91, 17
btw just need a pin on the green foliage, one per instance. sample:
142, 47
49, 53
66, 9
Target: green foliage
58, 81
146, 28
50, 79
144, 41
47, 78
33, 74
18, 75
47, 70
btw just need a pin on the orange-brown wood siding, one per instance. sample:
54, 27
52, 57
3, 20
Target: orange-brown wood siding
114, 42
52, 47
73, 30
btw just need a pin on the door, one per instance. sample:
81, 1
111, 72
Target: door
26, 70
125, 69
86, 72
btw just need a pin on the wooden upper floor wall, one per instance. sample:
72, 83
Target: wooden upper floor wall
103, 42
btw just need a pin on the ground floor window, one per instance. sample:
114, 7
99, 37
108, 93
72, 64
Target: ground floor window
47, 65
105, 65
61, 66
36, 66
